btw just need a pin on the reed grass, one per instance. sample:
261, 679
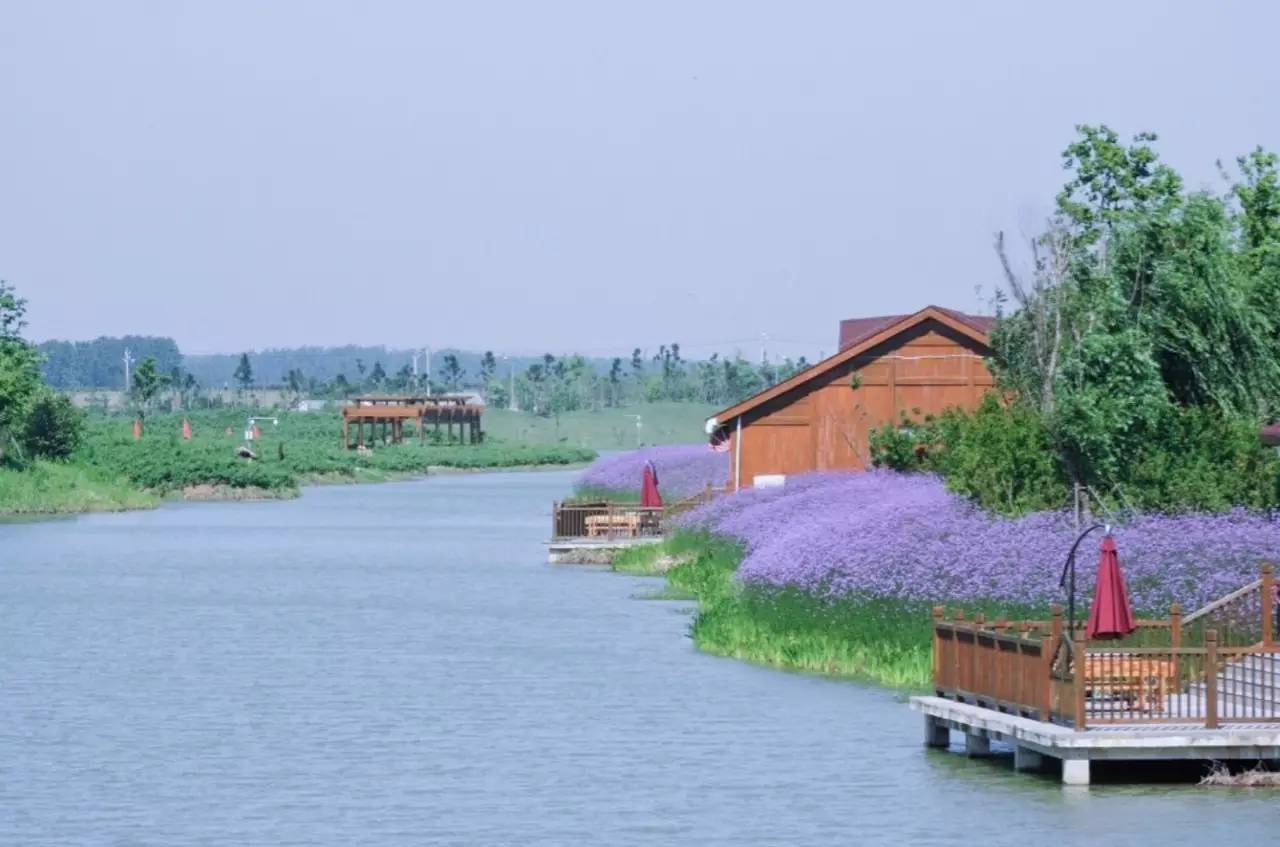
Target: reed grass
63, 488
880, 640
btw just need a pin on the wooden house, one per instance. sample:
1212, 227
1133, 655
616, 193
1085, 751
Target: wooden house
820, 418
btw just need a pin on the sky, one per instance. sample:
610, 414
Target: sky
588, 177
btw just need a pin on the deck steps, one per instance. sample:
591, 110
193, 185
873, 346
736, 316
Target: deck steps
1248, 687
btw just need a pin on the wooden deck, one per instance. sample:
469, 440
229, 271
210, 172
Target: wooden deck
1034, 740
1176, 688
386, 414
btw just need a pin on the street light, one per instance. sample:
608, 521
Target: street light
1068, 579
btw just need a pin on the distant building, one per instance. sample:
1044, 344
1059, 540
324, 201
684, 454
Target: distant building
819, 419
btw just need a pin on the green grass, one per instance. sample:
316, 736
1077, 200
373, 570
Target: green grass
886, 642
61, 488
111, 467
605, 429
640, 560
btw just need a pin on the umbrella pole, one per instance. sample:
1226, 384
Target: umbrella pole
1068, 579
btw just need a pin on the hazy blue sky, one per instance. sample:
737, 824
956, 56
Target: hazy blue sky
544, 175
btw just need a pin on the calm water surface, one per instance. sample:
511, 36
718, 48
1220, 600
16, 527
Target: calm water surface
397, 665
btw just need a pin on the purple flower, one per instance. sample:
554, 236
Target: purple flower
683, 470
880, 534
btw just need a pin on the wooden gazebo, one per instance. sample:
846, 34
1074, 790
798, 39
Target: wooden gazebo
390, 411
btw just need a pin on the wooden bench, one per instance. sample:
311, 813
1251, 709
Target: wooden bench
1135, 679
609, 525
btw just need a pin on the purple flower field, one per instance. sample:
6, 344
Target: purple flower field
683, 470
885, 535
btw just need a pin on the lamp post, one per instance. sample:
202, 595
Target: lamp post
1068, 579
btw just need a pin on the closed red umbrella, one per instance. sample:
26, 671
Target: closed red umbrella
649, 496
1111, 614
186, 430
137, 427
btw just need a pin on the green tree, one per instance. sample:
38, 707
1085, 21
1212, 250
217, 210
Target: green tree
452, 372
243, 373
497, 394
1142, 301
19, 368
54, 427
615, 382
378, 375
147, 383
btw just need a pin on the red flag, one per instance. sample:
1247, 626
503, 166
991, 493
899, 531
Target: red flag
257, 433
186, 430
1111, 615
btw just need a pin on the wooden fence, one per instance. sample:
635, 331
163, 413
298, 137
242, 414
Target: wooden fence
1168, 672
611, 521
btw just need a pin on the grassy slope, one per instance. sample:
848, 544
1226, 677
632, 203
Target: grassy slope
880, 642
55, 488
606, 429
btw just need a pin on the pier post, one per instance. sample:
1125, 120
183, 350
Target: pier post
936, 733
1075, 771
1026, 759
976, 745
1268, 605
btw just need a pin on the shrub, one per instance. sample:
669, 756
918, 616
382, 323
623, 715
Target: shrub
1202, 460
1002, 456
54, 427
905, 447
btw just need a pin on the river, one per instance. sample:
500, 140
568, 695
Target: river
397, 665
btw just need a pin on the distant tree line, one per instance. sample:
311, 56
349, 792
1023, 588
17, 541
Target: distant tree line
100, 363
569, 383
543, 385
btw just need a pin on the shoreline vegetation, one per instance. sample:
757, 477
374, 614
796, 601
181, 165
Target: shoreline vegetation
112, 471
885, 643
838, 573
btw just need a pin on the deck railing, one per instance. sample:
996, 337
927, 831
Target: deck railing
611, 521
1167, 672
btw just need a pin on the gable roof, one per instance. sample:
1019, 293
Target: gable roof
856, 330
870, 332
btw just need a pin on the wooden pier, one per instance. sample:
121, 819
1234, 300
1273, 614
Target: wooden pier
592, 532
1201, 686
386, 414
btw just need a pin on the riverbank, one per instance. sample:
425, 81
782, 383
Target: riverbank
56, 488
112, 471
884, 643
838, 573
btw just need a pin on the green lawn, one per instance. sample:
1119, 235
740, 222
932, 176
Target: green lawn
62, 488
606, 429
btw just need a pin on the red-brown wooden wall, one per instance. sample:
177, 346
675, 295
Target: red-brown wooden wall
823, 423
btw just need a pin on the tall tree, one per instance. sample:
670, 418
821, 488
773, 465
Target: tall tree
147, 383
244, 373
19, 368
452, 372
